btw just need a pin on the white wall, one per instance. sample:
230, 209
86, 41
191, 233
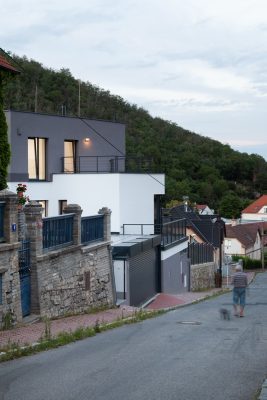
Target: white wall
129, 196
254, 217
235, 248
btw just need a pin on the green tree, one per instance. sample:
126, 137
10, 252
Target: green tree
4, 144
230, 206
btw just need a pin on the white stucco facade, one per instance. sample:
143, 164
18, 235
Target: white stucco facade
129, 196
260, 216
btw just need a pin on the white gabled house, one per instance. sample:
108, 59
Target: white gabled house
256, 211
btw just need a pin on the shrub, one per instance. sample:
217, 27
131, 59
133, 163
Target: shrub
248, 263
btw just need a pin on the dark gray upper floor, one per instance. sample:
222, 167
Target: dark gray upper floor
96, 145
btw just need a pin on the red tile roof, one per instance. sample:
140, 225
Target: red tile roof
5, 65
245, 233
256, 206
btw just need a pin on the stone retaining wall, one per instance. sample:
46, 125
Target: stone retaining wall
68, 280
74, 280
202, 276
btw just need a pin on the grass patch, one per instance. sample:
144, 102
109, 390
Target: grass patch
47, 342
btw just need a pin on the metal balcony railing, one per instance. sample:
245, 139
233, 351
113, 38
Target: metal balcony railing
171, 232
111, 164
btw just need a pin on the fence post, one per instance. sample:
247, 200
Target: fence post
107, 226
75, 209
9, 268
34, 233
10, 216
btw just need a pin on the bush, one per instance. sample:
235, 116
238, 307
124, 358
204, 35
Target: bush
248, 263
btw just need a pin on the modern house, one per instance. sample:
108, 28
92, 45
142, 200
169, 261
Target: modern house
256, 211
66, 160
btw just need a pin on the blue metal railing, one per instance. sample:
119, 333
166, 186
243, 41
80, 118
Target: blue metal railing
58, 231
92, 228
2, 209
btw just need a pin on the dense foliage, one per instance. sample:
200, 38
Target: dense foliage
4, 144
203, 169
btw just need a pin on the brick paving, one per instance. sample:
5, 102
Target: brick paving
30, 333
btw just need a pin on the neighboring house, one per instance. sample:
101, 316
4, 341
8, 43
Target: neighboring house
256, 211
202, 228
243, 240
203, 209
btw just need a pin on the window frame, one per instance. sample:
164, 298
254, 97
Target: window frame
37, 159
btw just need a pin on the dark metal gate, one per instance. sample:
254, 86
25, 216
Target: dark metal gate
25, 277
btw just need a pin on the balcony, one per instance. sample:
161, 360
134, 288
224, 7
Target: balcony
172, 233
107, 164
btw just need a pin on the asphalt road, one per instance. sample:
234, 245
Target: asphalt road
186, 354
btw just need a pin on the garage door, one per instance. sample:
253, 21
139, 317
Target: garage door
143, 277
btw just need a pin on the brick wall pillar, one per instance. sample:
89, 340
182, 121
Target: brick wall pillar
9, 264
34, 233
107, 222
10, 216
77, 211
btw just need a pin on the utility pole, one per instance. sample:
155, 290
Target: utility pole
262, 245
36, 99
79, 98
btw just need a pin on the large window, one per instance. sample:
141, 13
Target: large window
37, 158
70, 156
61, 205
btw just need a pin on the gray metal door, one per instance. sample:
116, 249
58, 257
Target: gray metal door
143, 277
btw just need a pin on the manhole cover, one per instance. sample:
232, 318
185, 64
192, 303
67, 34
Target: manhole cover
188, 322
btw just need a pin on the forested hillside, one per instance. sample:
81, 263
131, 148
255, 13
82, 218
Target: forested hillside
203, 169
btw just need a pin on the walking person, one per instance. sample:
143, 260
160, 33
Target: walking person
240, 282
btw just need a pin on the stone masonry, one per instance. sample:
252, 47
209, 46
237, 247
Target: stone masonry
10, 305
73, 279
202, 276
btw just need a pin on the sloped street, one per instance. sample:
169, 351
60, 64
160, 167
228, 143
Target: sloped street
189, 353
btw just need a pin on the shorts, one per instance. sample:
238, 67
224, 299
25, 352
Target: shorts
239, 296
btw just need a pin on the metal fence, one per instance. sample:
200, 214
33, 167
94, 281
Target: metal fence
2, 209
92, 228
200, 253
58, 231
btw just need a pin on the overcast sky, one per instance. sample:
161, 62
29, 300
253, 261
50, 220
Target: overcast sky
199, 63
